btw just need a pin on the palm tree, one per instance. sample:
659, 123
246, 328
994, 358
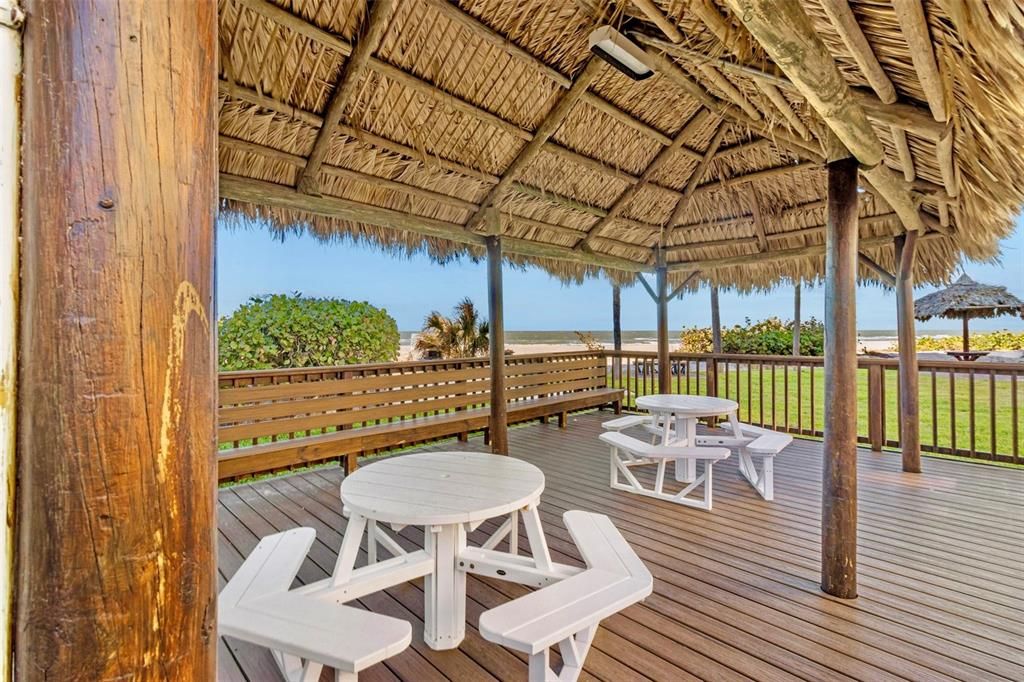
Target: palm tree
461, 336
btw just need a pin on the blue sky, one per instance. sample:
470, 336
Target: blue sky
252, 262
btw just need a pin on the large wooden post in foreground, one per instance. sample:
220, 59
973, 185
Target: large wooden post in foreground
116, 574
664, 370
910, 427
499, 408
839, 484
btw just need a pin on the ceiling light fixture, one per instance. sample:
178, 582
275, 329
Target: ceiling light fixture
620, 52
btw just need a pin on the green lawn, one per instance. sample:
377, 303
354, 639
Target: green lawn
756, 388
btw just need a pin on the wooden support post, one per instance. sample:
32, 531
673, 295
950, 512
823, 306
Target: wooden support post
839, 485
876, 408
796, 319
910, 426
117, 572
716, 321
664, 370
967, 334
496, 320
616, 332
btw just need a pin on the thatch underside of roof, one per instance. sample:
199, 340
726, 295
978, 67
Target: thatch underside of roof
455, 94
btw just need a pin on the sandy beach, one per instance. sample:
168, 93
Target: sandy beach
406, 353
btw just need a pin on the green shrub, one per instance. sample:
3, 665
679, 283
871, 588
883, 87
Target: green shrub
987, 341
766, 337
300, 331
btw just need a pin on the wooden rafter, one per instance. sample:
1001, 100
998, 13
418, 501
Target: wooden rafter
883, 275
729, 90
271, 194
545, 130
348, 83
695, 178
914, 25
899, 138
682, 285
696, 123
786, 33
659, 19
760, 231
782, 254
907, 116
709, 15
673, 72
845, 23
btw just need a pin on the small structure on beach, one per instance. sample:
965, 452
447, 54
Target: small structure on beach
966, 299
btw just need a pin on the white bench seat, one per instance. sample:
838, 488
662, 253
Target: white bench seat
303, 632
628, 452
764, 444
626, 422
569, 612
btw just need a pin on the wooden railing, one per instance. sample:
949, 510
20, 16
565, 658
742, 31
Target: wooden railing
966, 409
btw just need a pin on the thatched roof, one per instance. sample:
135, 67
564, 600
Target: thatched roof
449, 111
967, 298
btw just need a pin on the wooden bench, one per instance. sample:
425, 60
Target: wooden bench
628, 452
263, 426
303, 633
569, 612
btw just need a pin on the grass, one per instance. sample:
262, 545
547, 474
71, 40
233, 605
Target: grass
950, 427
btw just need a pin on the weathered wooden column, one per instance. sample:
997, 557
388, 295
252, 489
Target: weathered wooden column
839, 485
910, 426
115, 519
496, 320
616, 333
616, 317
716, 321
664, 370
796, 319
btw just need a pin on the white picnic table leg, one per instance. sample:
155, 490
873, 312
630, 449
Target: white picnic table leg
444, 590
349, 549
686, 469
535, 534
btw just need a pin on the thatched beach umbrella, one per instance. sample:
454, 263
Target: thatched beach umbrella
966, 299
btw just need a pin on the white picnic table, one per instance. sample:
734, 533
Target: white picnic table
675, 418
449, 494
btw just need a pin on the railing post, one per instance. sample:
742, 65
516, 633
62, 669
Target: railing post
876, 408
712, 376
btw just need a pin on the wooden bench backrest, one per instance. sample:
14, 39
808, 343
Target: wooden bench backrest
306, 402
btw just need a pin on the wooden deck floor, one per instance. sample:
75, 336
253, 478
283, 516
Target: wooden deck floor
736, 589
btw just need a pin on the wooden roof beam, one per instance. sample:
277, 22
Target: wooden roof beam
883, 275
784, 30
709, 15
811, 250
693, 125
914, 24
263, 193
348, 84
845, 23
659, 19
695, 178
667, 68
907, 116
544, 131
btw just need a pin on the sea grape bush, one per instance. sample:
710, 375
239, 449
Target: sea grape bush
765, 337
301, 331
986, 341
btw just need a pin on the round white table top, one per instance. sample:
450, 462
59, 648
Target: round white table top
687, 405
441, 488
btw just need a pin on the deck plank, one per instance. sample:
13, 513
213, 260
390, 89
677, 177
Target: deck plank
736, 595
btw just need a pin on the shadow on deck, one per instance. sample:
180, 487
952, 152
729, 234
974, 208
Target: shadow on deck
736, 589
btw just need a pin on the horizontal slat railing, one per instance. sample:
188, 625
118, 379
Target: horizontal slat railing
966, 409
290, 406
